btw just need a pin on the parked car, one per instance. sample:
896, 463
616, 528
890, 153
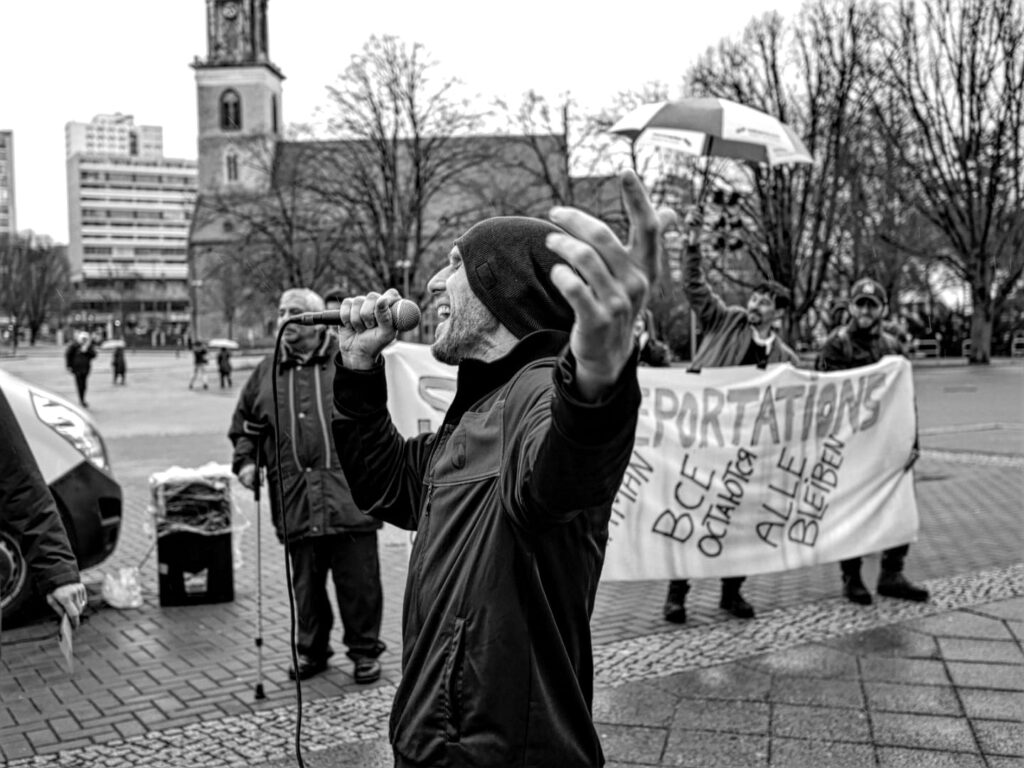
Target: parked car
74, 462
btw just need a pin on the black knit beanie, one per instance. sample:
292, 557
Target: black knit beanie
508, 267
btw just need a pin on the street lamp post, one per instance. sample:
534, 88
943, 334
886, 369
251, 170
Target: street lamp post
405, 265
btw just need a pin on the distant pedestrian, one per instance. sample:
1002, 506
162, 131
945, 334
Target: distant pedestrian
198, 364
118, 364
78, 358
224, 367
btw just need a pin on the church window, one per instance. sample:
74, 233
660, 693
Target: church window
232, 167
230, 111
273, 112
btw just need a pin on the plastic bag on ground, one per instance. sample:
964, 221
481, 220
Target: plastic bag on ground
124, 589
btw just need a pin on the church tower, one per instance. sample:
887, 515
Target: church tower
239, 98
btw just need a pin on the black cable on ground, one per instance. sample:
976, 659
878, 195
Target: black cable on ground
287, 556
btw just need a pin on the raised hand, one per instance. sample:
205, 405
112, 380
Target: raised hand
610, 283
367, 328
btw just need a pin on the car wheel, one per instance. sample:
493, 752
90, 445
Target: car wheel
14, 586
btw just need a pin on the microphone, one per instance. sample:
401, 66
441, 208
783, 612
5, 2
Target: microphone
405, 315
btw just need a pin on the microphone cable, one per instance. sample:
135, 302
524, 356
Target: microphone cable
287, 555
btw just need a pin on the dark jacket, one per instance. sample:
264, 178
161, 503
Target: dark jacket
117, 360
79, 359
28, 511
726, 330
511, 501
314, 488
851, 347
224, 361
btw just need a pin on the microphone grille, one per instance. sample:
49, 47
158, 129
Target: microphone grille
406, 315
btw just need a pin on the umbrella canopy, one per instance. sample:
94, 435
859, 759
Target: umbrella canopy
222, 343
112, 344
714, 127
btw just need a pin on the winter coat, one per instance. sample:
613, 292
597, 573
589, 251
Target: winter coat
726, 330
28, 512
315, 491
851, 347
78, 357
510, 501
118, 360
224, 361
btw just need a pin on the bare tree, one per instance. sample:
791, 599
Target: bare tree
952, 110
280, 236
396, 162
811, 76
34, 275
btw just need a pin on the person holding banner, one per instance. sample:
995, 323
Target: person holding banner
732, 335
511, 498
864, 341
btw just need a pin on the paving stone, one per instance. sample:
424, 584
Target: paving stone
817, 692
1012, 609
642, 745
801, 753
920, 699
923, 732
972, 649
898, 641
982, 675
963, 624
819, 723
720, 715
999, 737
720, 682
893, 757
993, 705
633, 705
812, 660
705, 749
880, 669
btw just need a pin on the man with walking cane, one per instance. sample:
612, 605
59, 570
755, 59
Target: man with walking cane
326, 532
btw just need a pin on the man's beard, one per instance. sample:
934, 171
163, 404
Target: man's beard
466, 335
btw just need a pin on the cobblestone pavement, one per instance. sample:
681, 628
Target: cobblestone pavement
174, 686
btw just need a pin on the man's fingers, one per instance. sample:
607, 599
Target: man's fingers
576, 292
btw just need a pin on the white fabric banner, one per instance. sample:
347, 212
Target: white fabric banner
737, 471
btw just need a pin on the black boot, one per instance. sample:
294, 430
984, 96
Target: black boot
675, 601
895, 584
854, 589
734, 603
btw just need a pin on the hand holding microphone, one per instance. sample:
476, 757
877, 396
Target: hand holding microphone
367, 324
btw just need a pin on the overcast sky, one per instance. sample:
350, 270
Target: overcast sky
69, 60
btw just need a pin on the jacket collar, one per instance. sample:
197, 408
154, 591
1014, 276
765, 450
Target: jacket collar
477, 378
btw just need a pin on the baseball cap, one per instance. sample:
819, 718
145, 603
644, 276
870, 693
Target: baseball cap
866, 288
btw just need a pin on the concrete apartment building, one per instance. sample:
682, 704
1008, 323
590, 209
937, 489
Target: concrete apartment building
8, 210
129, 210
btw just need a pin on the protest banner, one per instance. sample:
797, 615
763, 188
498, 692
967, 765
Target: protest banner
737, 471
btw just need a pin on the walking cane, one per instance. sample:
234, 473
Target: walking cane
260, 694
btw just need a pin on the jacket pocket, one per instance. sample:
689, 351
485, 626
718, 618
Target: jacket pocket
452, 680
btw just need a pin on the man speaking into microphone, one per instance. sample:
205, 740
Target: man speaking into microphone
511, 498
321, 526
